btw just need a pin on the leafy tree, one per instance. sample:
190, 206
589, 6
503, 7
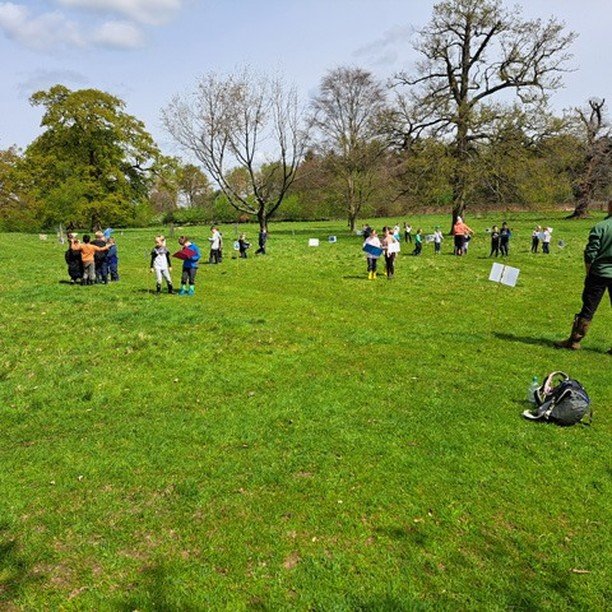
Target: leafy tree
94, 163
474, 53
17, 210
239, 121
348, 113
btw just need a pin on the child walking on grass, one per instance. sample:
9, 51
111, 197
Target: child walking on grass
161, 264
243, 245
418, 242
437, 240
494, 241
190, 255
373, 250
390, 246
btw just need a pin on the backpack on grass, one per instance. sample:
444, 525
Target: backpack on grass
560, 399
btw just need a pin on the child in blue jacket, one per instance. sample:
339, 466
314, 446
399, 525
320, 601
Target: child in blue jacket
190, 266
112, 260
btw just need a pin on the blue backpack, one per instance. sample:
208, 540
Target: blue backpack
560, 399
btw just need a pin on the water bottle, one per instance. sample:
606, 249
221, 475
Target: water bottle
534, 386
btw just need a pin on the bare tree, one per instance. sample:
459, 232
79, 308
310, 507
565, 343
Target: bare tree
348, 113
475, 52
243, 121
595, 170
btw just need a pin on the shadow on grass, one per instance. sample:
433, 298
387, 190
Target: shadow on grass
152, 592
153, 292
539, 342
14, 569
523, 339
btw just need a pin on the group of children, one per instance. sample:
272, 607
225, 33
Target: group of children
92, 261
389, 246
543, 235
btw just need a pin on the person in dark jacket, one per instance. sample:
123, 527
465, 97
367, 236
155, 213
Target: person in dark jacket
100, 259
598, 265
504, 239
75, 263
262, 239
243, 245
494, 241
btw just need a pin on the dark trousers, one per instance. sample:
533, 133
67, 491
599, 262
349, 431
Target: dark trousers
372, 264
188, 276
390, 264
113, 268
102, 272
261, 250
494, 248
503, 247
545, 247
418, 247
594, 289
534, 245
459, 244
407, 236
215, 257
243, 254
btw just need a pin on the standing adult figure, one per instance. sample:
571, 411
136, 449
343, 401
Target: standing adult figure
598, 264
262, 238
460, 231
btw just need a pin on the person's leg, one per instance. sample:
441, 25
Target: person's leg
594, 289
166, 274
91, 273
184, 281
192, 275
391, 269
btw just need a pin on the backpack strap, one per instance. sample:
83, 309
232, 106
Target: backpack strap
548, 381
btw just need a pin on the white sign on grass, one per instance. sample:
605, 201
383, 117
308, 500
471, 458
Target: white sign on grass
506, 275
314, 242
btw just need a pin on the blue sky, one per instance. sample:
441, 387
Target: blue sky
145, 51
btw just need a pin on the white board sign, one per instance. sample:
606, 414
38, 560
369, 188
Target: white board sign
506, 275
313, 242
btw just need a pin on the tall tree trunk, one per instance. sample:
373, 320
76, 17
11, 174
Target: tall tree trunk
352, 207
262, 219
461, 155
583, 192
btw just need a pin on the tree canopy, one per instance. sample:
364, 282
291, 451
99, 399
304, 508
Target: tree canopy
94, 162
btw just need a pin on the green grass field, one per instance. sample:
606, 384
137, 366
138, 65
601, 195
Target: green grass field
296, 436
